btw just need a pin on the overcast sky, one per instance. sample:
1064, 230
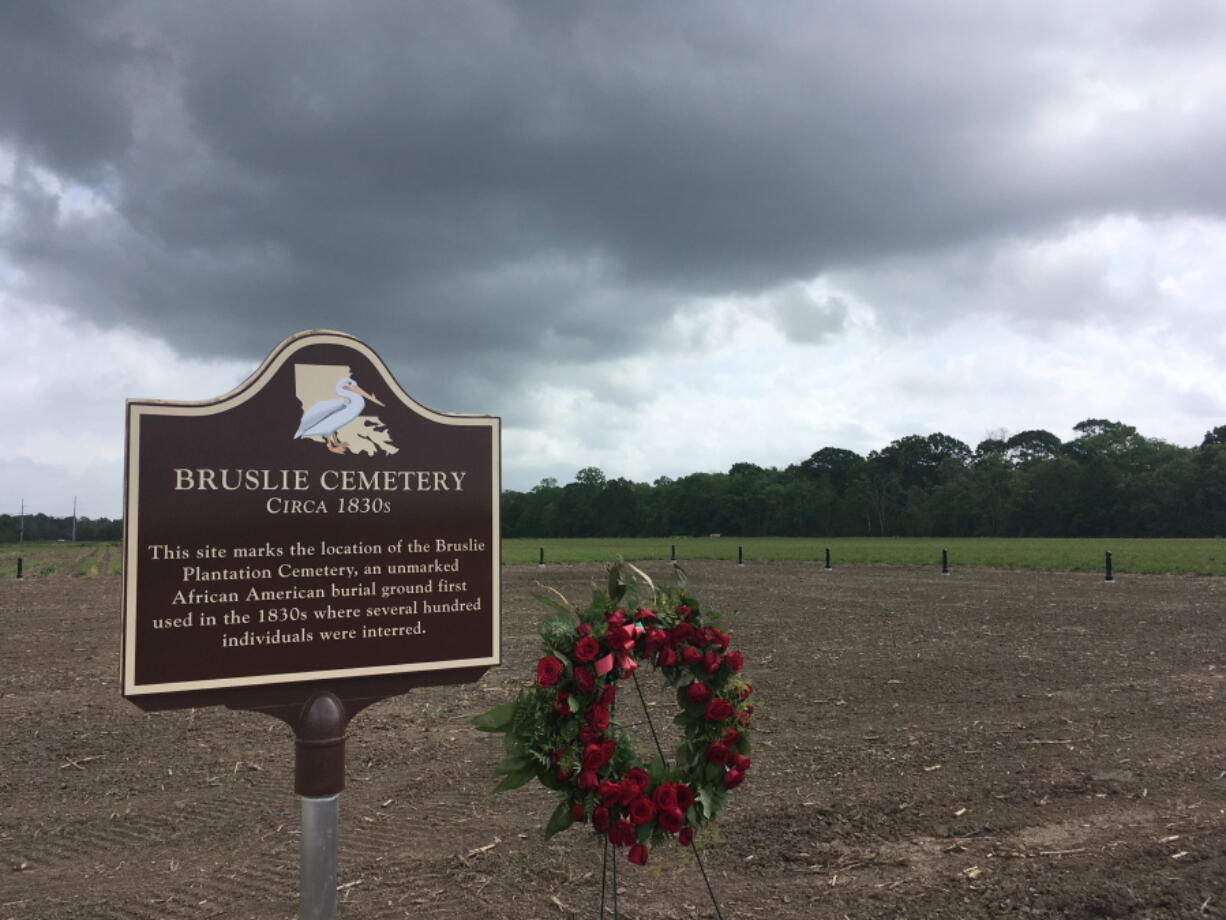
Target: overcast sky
654, 237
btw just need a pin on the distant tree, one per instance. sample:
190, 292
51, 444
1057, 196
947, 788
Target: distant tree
988, 447
1215, 436
1029, 446
590, 476
1100, 435
1108, 480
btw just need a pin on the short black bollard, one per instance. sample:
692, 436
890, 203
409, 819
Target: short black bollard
19, 567
672, 556
1110, 576
944, 562
541, 562
828, 569
740, 555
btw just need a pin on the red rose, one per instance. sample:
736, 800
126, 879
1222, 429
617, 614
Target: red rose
585, 679
697, 692
610, 792
644, 614
665, 796
587, 734
584, 630
586, 649
600, 818
718, 710
588, 781
548, 670
741, 762
656, 638
690, 655
555, 757
746, 690
732, 737
723, 639
578, 812
607, 747
607, 695
638, 854
667, 658
598, 717
637, 777
711, 662
671, 820
685, 796
642, 810
682, 611
716, 753
686, 837
733, 778
616, 618
735, 661
682, 632
621, 834
593, 757
561, 703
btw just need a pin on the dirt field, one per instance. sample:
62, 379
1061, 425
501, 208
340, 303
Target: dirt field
989, 744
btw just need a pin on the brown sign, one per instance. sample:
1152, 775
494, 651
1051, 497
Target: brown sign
314, 524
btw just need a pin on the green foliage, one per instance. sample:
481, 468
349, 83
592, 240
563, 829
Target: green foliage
560, 820
497, 719
40, 528
1107, 481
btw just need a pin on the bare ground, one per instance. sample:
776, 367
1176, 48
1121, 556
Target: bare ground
989, 744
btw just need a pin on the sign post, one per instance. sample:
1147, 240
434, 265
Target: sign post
304, 546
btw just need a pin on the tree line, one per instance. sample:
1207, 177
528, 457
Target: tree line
1108, 480
33, 528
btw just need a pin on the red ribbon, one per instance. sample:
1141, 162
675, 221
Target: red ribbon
625, 645
622, 648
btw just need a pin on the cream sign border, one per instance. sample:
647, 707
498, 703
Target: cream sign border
137, 408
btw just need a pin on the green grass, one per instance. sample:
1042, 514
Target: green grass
87, 563
1199, 557
39, 558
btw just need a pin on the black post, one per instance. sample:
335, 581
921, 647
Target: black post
673, 553
740, 555
18, 566
828, 559
541, 561
1110, 576
944, 562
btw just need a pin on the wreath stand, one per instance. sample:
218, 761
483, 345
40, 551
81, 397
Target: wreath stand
604, 866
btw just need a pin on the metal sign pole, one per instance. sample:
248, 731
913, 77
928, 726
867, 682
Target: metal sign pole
319, 777
317, 862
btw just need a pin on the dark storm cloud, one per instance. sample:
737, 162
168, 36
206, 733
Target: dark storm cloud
62, 94
547, 182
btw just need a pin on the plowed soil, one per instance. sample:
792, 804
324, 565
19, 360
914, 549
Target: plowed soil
987, 744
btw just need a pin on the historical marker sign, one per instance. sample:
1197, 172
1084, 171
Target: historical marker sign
314, 524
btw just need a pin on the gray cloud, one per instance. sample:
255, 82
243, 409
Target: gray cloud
477, 187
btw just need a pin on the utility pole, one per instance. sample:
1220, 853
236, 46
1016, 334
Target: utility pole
74, 519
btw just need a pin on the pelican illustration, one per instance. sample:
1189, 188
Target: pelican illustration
327, 417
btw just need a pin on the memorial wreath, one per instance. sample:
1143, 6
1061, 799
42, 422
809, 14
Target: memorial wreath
563, 732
